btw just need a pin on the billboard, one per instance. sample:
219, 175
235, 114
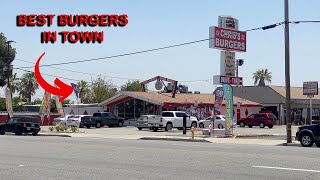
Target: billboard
310, 88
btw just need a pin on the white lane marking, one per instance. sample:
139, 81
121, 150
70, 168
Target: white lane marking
288, 169
20, 165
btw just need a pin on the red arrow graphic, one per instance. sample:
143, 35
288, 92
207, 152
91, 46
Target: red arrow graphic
64, 90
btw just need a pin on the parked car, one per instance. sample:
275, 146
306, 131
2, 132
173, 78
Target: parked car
76, 120
259, 119
220, 122
20, 125
315, 119
142, 122
84, 118
308, 135
101, 119
172, 119
62, 120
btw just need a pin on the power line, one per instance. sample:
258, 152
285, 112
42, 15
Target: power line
112, 77
149, 50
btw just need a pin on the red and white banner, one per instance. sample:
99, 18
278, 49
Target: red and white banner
227, 39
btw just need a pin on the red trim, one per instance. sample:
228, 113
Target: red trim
204, 104
119, 101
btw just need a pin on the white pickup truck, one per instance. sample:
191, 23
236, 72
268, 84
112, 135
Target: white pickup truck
172, 119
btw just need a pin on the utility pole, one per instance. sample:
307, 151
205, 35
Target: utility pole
287, 70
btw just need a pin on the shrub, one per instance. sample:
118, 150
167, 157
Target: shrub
63, 128
51, 128
74, 129
58, 128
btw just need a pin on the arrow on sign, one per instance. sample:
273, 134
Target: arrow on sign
64, 90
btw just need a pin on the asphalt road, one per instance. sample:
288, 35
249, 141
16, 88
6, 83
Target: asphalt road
28, 157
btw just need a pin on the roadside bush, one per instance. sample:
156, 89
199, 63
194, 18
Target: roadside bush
51, 128
63, 128
57, 128
74, 129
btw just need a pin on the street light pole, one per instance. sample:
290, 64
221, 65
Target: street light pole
287, 70
237, 63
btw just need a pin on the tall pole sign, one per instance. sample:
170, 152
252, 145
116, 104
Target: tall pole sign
229, 39
310, 89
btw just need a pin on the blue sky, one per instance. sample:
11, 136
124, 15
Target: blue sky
155, 24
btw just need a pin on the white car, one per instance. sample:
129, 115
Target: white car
219, 122
172, 119
76, 120
62, 120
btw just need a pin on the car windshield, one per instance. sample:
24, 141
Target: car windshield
272, 116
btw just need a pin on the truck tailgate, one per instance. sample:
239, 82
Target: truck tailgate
154, 119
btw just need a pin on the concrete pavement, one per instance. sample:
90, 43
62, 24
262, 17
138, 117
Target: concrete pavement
29, 157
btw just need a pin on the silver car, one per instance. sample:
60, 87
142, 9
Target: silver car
219, 122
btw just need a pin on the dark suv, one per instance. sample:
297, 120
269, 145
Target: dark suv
20, 125
307, 135
259, 119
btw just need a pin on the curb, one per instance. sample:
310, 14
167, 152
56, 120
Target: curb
290, 144
57, 135
176, 139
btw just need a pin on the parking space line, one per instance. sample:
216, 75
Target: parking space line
288, 169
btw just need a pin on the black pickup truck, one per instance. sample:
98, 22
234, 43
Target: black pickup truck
19, 125
308, 135
101, 119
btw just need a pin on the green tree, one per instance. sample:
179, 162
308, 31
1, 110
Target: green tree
84, 91
261, 76
36, 101
132, 86
101, 90
14, 84
7, 55
28, 86
3, 104
17, 104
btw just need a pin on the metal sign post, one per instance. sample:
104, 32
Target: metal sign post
310, 96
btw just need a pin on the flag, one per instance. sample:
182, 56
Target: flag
75, 89
9, 102
45, 106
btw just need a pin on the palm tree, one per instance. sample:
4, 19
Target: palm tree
14, 83
28, 86
83, 88
261, 76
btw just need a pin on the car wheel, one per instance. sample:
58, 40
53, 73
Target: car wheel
220, 126
88, 126
242, 124
201, 125
139, 128
250, 126
120, 124
34, 134
169, 127
306, 140
155, 129
2, 132
318, 145
98, 125
261, 125
270, 126
18, 131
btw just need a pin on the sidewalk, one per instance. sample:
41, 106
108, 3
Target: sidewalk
262, 138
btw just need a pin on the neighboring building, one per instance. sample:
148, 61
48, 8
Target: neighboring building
273, 99
131, 105
82, 109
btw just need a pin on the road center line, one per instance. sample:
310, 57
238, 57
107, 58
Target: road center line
288, 169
